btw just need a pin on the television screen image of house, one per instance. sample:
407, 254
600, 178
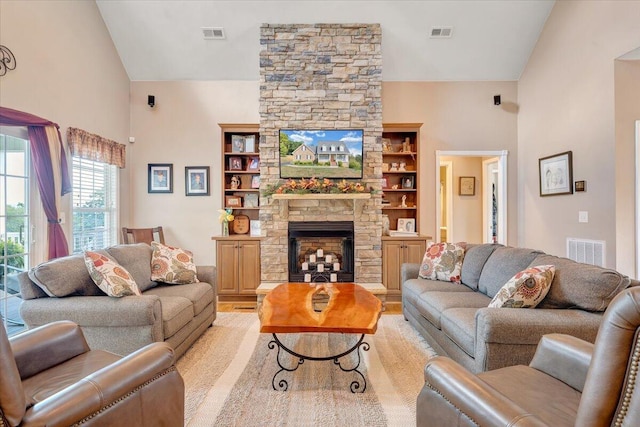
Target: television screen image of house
321, 153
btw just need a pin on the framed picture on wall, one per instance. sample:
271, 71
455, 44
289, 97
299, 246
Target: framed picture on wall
467, 186
196, 180
556, 174
160, 178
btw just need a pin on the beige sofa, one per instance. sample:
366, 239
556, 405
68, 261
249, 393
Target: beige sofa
456, 320
62, 289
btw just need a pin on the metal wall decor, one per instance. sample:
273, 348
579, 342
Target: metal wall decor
7, 60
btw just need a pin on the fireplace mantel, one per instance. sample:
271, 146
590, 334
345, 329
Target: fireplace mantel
327, 196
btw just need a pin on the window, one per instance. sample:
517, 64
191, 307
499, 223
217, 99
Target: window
15, 227
95, 207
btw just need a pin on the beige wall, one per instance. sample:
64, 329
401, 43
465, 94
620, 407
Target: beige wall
466, 210
456, 116
68, 70
182, 129
627, 108
566, 98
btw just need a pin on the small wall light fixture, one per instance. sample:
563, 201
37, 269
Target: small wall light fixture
497, 100
151, 100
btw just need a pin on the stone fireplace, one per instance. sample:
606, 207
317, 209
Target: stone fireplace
321, 76
321, 251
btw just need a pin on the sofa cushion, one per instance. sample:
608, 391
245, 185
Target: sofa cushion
526, 289
67, 276
475, 256
412, 288
136, 258
113, 279
176, 313
431, 305
442, 261
578, 285
172, 265
200, 294
459, 324
501, 266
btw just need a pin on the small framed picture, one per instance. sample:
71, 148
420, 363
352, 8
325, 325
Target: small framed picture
385, 182
237, 143
408, 181
556, 174
254, 164
251, 200
196, 180
254, 227
160, 178
467, 186
235, 163
255, 181
233, 201
407, 225
250, 144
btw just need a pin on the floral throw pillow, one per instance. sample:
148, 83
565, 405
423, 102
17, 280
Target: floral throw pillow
526, 289
172, 265
112, 278
442, 261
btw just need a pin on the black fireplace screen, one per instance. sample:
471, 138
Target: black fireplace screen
321, 251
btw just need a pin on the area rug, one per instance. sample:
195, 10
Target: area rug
228, 377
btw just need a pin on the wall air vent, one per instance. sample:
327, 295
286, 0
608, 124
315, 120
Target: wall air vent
441, 32
586, 251
213, 33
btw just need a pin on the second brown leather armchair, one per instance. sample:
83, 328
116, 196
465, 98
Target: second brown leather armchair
569, 382
49, 376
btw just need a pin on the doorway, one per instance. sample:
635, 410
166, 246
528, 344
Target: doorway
491, 188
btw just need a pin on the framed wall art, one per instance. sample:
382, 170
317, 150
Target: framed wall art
467, 186
556, 174
160, 178
196, 180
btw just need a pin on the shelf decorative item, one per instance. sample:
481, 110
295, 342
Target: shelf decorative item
226, 216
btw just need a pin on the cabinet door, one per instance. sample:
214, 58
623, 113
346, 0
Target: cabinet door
414, 251
227, 265
391, 261
248, 267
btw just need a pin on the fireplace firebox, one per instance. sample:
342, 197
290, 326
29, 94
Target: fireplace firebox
321, 251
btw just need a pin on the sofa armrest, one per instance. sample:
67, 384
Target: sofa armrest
41, 348
106, 386
409, 271
564, 357
207, 274
100, 311
468, 394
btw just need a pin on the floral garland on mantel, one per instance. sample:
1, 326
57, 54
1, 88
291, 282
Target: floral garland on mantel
316, 186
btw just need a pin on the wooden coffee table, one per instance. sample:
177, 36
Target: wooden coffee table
289, 308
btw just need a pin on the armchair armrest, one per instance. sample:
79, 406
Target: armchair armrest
41, 348
207, 273
564, 357
108, 385
472, 396
409, 271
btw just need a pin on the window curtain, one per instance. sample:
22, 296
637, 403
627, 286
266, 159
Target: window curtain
43, 135
94, 147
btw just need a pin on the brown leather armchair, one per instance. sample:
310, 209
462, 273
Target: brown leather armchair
569, 382
49, 376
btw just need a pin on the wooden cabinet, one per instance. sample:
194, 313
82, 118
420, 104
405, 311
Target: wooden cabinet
241, 169
401, 174
395, 252
238, 267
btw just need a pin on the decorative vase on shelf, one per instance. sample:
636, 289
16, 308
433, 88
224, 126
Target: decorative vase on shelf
225, 228
385, 225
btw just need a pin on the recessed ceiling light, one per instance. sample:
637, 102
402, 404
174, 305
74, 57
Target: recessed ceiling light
441, 32
213, 33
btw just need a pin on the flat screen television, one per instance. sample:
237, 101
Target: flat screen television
321, 153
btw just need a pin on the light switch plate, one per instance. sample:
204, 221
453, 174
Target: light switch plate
583, 216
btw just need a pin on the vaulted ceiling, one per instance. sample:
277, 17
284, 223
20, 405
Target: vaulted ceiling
163, 39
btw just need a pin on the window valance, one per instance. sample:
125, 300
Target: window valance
94, 147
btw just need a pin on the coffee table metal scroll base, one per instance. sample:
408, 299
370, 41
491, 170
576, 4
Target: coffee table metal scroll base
355, 385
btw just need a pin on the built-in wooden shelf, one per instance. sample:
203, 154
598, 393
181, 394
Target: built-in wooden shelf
314, 196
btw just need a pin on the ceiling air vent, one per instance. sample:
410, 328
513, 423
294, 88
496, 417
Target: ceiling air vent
441, 32
213, 33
